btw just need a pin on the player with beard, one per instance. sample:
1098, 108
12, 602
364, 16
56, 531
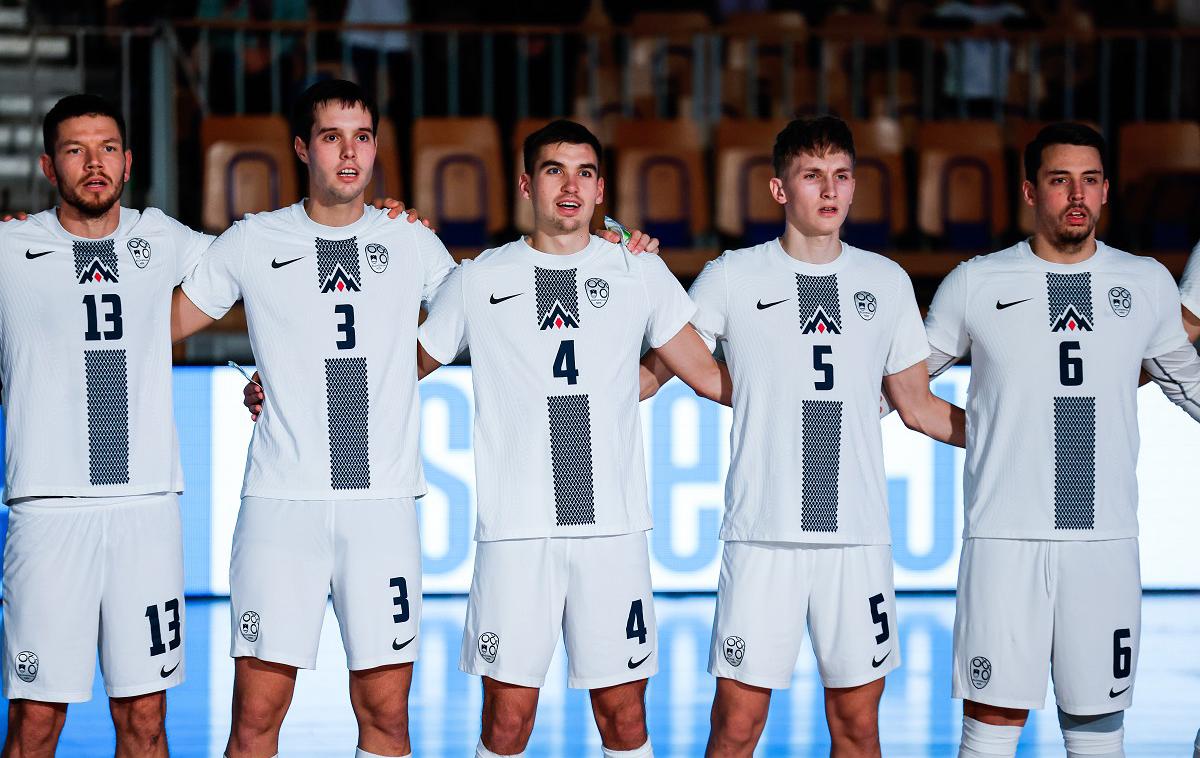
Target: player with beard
555, 323
93, 558
1058, 327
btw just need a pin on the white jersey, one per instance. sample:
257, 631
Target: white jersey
555, 344
85, 355
1189, 286
332, 314
1056, 351
807, 346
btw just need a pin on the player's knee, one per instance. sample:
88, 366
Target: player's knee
622, 727
386, 715
140, 719
34, 724
859, 728
738, 727
506, 730
1101, 735
256, 716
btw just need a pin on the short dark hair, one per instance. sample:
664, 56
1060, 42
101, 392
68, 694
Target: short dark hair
815, 136
1061, 133
73, 106
346, 94
555, 132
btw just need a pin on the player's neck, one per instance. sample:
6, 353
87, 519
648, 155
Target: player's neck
559, 244
1059, 252
816, 249
333, 214
81, 224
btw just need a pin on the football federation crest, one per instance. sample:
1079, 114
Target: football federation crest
248, 626
864, 303
981, 672
140, 250
377, 257
95, 261
337, 265
489, 645
597, 291
559, 317
26, 664
1121, 301
735, 650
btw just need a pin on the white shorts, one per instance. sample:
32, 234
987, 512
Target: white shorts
595, 589
1029, 607
769, 591
290, 555
82, 573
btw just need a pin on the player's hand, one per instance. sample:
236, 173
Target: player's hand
395, 208
639, 241
253, 396
19, 216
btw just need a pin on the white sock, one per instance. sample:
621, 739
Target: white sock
1095, 744
638, 752
980, 740
483, 752
360, 753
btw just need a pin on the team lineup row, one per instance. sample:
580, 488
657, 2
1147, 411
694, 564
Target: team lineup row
807, 331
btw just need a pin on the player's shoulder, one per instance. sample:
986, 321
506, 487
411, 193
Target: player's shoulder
34, 224
872, 263
1133, 264
502, 255
742, 258
154, 219
282, 221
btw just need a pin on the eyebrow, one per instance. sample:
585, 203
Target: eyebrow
336, 129
1064, 171
559, 164
815, 169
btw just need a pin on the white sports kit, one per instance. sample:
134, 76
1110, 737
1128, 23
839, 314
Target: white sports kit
334, 464
558, 338
1189, 285
1049, 564
94, 553
806, 514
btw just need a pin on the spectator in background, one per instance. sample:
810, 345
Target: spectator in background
256, 53
977, 67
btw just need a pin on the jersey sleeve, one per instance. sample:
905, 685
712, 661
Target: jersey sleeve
710, 293
670, 308
946, 322
191, 245
909, 344
214, 283
444, 332
435, 262
1189, 286
1168, 329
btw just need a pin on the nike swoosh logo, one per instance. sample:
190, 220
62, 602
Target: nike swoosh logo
633, 665
281, 264
1116, 694
877, 663
1001, 306
494, 300
164, 673
397, 645
31, 256
763, 306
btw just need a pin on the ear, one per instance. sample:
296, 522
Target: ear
48, 169
301, 150
128, 164
599, 190
1029, 193
523, 186
777, 190
1104, 193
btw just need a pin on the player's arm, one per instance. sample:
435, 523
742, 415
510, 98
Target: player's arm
186, 318
1191, 325
922, 411
426, 363
1177, 374
685, 355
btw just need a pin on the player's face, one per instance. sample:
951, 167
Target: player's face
816, 192
90, 164
1069, 193
340, 153
565, 188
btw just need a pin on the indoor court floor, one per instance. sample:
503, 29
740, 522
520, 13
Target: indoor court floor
917, 716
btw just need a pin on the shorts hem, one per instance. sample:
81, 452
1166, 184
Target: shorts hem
858, 681
1003, 702
374, 663
146, 688
517, 679
1117, 704
596, 682
770, 683
49, 697
283, 659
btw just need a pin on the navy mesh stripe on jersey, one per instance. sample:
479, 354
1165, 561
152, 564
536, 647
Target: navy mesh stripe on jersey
555, 286
1074, 463
571, 456
89, 253
1069, 291
821, 421
336, 257
108, 416
818, 294
349, 440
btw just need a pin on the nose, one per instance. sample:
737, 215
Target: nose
93, 159
828, 188
348, 148
1076, 190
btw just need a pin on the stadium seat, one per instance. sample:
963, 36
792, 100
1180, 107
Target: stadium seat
880, 209
249, 166
661, 185
745, 209
1156, 158
459, 178
1020, 133
385, 180
649, 31
961, 192
522, 209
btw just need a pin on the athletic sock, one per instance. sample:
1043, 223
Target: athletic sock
483, 752
1096, 736
638, 752
980, 740
360, 753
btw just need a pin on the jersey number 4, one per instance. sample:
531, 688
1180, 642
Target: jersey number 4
564, 362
